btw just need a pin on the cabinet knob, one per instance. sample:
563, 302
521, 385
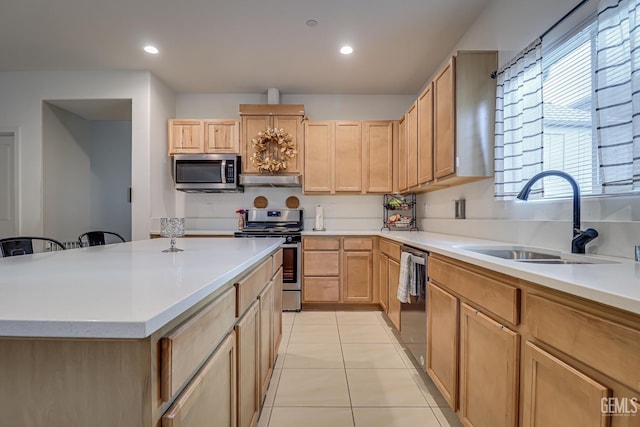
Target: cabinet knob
500, 327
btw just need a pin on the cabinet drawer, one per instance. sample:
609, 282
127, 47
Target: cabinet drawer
497, 297
187, 346
277, 260
321, 289
321, 263
611, 348
390, 248
321, 243
357, 244
249, 287
210, 398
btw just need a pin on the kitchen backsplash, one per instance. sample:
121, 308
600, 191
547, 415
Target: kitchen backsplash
344, 212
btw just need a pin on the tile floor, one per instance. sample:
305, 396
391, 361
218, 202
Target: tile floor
347, 369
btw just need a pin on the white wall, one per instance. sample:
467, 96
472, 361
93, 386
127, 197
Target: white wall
66, 172
509, 26
21, 96
163, 196
110, 155
216, 211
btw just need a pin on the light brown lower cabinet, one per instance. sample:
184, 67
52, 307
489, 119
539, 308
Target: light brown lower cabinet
488, 371
357, 276
248, 335
210, 398
277, 308
394, 303
557, 395
442, 342
383, 281
338, 270
265, 300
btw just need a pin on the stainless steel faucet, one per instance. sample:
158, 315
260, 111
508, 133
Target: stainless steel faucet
580, 238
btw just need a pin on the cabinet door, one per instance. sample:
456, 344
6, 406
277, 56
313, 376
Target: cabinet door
412, 146
321, 289
556, 395
442, 342
383, 280
425, 135
277, 310
394, 304
318, 156
248, 344
293, 126
210, 398
321, 263
444, 121
402, 154
221, 136
378, 160
251, 125
185, 137
488, 371
357, 277
348, 156
266, 338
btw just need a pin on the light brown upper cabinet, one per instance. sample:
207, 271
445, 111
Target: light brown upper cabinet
185, 136
221, 136
378, 156
258, 117
203, 136
464, 100
412, 145
402, 154
425, 135
318, 156
348, 156
333, 157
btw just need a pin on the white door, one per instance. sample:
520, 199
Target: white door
8, 187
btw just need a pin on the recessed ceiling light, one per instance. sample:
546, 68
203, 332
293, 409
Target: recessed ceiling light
151, 49
312, 23
346, 50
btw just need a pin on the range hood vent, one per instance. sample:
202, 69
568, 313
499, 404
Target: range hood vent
270, 180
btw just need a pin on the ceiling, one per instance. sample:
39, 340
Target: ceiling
241, 46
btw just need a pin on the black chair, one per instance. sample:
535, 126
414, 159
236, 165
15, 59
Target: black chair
99, 238
23, 245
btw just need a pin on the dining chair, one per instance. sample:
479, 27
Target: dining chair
99, 238
24, 245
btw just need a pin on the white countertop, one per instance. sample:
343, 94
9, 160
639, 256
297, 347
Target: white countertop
616, 284
126, 290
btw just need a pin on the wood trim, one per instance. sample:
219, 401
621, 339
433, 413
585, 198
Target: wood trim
187, 346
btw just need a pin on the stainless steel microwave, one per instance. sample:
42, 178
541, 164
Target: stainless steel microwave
207, 173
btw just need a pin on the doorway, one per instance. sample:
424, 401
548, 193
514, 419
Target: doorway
8, 184
86, 167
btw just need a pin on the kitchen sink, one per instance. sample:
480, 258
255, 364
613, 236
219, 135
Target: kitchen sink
534, 255
516, 254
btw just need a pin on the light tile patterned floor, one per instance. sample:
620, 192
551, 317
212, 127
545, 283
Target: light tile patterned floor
347, 369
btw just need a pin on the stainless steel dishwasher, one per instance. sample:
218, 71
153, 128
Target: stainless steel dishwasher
413, 315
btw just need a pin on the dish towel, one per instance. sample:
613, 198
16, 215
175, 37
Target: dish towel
407, 278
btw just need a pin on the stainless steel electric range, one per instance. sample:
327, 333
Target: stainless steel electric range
287, 224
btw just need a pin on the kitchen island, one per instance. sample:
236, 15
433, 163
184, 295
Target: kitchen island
126, 335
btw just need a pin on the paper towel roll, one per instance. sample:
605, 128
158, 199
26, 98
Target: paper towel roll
319, 226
